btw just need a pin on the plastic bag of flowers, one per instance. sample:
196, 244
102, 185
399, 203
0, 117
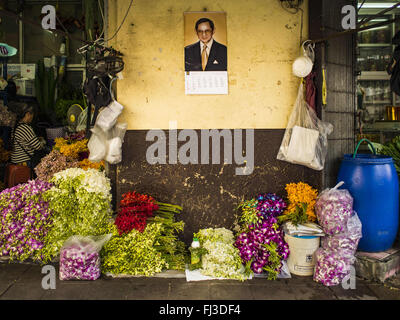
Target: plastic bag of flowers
80, 257
347, 242
333, 208
222, 258
337, 253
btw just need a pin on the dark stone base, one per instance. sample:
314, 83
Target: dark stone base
208, 193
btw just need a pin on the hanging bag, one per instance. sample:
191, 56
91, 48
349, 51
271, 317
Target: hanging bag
305, 140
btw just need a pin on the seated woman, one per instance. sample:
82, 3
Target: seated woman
24, 141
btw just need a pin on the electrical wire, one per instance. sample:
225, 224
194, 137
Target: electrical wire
290, 7
116, 32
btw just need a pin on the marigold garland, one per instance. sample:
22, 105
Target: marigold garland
71, 148
86, 164
301, 193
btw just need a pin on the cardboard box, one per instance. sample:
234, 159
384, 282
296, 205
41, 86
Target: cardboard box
28, 71
25, 87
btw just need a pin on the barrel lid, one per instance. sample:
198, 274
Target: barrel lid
368, 158
305, 237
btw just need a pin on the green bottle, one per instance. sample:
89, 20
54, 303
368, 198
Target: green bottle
194, 249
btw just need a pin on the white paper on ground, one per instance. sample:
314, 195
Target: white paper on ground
196, 275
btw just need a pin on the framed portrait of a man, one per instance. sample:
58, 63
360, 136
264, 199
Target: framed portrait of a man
206, 58
205, 41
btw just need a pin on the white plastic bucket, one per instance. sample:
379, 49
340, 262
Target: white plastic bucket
301, 260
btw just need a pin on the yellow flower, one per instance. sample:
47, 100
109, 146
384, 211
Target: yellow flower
301, 193
71, 150
86, 164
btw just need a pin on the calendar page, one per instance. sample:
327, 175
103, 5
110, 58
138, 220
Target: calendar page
210, 82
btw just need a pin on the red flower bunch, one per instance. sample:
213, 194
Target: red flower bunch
135, 208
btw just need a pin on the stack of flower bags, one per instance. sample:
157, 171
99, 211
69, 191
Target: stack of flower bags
334, 209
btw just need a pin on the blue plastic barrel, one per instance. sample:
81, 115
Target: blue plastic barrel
373, 183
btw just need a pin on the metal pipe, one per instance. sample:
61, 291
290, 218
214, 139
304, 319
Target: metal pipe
351, 31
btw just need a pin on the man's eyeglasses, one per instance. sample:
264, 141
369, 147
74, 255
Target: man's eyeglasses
208, 31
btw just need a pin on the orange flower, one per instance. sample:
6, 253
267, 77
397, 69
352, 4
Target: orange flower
86, 164
301, 193
71, 150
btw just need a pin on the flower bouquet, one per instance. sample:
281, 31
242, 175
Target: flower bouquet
144, 238
222, 258
71, 147
52, 163
81, 205
301, 204
261, 241
25, 220
173, 251
134, 210
133, 253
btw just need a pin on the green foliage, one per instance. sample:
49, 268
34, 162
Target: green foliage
392, 149
76, 211
133, 253
297, 217
45, 88
173, 250
274, 259
249, 215
149, 252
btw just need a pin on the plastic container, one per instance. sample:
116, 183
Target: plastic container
195, 257
301, 260
372, 181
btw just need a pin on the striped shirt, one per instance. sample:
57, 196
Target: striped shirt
25, 138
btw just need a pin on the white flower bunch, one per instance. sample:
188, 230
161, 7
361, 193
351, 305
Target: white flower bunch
91, 180
222, 259
217, 234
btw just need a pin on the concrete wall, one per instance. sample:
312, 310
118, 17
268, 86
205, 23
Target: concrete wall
263, 40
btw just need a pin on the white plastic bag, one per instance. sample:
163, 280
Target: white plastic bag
119, 130
97, 145
107, 117
80, 257
333, 208
305, 141
114, 154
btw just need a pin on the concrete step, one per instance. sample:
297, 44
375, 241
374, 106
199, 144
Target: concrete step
378, 266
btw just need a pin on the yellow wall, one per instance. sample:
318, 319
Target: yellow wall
263, 41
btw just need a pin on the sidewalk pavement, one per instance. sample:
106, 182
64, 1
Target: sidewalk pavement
23, 281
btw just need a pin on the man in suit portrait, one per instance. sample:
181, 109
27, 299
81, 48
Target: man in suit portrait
206, 54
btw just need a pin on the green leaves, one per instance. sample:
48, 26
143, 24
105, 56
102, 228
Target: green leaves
133, 253
76, 210
392, 149
274, 260
45, 88
297, 217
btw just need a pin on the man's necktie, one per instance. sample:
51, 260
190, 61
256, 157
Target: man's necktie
204, 57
